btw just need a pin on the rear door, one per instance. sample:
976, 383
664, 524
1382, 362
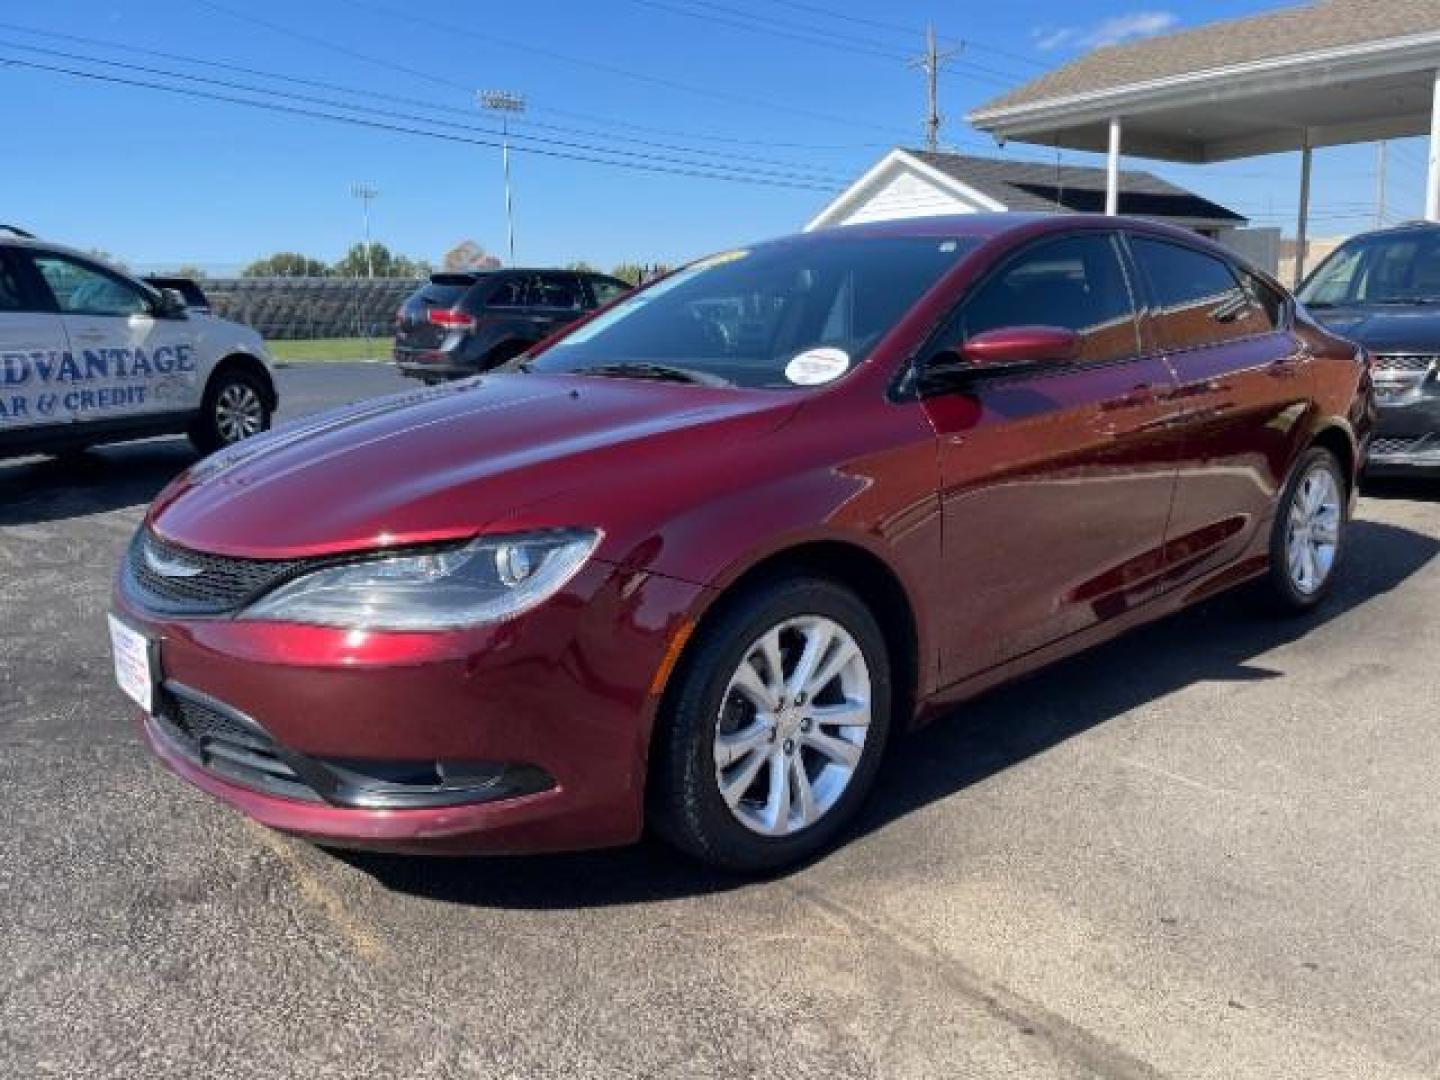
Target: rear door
30, 330
1243, 392
557, 299
1056, 479
122, 361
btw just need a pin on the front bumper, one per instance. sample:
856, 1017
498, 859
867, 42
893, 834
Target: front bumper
433, 364
549, 715
1407, 427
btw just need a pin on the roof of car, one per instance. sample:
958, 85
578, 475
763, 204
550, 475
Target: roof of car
988, 225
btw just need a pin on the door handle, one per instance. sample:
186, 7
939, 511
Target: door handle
90, 335
1137, 398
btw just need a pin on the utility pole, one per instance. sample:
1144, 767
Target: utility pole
505, 103
932, 62
366, 193
1380, 184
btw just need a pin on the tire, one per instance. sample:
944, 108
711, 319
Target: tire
236, 406
1312, 511
763, 827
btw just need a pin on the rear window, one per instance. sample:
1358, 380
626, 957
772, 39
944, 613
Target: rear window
440, 295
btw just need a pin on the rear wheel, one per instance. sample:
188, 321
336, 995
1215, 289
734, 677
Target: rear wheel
772, 735
1308, 536
236, 407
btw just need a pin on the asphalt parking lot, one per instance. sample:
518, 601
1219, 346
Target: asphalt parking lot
1209, 850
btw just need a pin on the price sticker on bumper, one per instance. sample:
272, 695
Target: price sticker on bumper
132, 664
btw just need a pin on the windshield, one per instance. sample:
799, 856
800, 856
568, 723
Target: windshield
785, 315
1383, 268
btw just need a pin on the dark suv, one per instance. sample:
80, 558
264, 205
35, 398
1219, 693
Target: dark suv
459, 324
1382, 290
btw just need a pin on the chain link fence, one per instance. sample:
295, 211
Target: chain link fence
299, 309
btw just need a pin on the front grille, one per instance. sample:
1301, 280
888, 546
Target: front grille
1403, 363
226, 744
1391, 445
198, 583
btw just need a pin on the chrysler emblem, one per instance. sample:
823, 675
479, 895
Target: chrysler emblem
169, 567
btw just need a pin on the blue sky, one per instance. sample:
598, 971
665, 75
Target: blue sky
160, 179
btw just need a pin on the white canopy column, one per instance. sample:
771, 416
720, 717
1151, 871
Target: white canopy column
1302, 224
1112, 170
1432, 185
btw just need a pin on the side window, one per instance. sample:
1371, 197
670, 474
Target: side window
1198, 299
81, 289
606, 290
12, 297
560, 291
512, 292
1076, 283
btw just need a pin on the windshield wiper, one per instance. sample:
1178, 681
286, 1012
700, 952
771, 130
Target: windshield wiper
657, 372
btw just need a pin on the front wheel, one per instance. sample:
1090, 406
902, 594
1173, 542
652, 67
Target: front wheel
771, 737
1308, 537
235, 407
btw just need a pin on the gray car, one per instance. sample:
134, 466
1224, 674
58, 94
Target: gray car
1382, 290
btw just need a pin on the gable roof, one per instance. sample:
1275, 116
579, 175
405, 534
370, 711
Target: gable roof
1292, 32
1026, 185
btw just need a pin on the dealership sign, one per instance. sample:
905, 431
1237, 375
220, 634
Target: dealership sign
54, 384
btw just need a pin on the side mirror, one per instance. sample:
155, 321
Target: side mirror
171, 305
1014, 345
997, 350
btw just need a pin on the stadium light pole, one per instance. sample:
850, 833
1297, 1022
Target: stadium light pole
505, 103
366, 193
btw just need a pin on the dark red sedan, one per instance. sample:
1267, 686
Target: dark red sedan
693, 562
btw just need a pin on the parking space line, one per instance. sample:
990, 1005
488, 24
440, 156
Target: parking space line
1065, 1036
364, 940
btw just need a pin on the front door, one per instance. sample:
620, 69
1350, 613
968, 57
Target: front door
122, 360
1056, 480
27, 331
1243, 389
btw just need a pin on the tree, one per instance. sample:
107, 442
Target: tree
468, 255
357, 261
287, 264
632, 273
387, 263
191, 271
639, 273
580, 266
105, 257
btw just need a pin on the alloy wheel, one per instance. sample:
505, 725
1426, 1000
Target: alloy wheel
792, 725
1313, 533
239, 412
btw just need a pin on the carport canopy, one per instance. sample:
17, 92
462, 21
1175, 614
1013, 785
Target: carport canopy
1327, 74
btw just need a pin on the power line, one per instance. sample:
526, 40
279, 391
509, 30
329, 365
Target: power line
772, 27
911, 31
468, 89
380, 96
747, 21
768, 105
388, 114
379, 125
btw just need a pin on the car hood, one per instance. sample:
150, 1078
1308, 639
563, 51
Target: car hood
1386, 329
445, 462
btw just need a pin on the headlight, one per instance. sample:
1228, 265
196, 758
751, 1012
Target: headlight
487, 580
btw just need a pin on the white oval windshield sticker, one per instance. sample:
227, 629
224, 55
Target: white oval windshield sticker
815, 366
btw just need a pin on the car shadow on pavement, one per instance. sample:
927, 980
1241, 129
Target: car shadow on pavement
1412, 488
38, 490
1219, 640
